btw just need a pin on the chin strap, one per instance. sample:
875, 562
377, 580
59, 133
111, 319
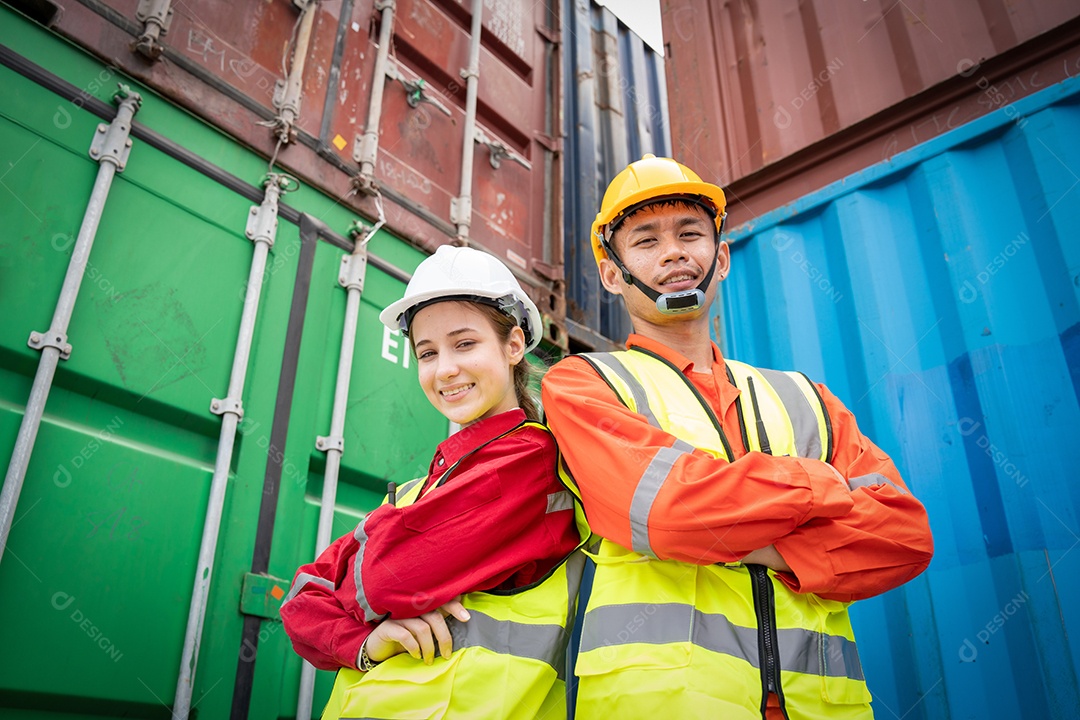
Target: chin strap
667, 303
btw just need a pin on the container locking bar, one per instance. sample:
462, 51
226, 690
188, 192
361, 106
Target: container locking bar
110, 148
261, 229
156, 17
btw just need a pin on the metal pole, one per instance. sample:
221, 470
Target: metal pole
351, 277
262, 229
461, 207
288, 93
369, 141
110, 148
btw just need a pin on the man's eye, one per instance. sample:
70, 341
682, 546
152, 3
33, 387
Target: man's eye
644, 241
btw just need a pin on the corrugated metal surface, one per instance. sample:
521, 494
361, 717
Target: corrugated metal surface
98, 571
616, 110
222, 61
938, 295
759, 81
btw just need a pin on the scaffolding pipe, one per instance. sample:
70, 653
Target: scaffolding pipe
110, 148
461, 206
261, 229
369, 141
351, 277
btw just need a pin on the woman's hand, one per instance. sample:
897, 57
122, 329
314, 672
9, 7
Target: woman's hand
416, 636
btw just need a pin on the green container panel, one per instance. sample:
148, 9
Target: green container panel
97, 577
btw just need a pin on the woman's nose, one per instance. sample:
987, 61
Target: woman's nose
448, 366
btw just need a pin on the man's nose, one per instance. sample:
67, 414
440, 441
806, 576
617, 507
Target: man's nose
671, 249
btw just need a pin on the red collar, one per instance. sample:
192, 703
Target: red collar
468, 438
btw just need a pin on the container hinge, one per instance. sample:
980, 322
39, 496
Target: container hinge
353, 270
111, 142
415, 90
460, 210
53, 339
220, 406
330, 442
286, 98
261, 595
156, 17
381, 5
499, 151
263, 218
365, 147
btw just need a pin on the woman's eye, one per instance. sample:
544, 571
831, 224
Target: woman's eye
426, 354
465, 344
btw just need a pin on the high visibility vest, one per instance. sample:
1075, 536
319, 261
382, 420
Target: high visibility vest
508, 659
671, 639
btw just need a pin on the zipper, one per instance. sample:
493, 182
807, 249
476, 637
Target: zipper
765, 608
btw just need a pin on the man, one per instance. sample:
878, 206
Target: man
741, 509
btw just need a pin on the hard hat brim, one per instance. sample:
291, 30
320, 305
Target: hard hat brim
390, 316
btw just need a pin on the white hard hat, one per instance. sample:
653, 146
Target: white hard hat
461, 273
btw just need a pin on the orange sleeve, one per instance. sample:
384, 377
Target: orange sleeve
646, 490
882, 543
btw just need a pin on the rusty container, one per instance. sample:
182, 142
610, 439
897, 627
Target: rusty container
228, 63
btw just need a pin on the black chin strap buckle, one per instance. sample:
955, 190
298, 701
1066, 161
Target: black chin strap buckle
680, 302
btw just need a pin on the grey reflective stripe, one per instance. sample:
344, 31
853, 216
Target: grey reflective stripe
805, 651
404, 489
641, 400
306, 579
647, 489
562, 500
803, 418
715, 632
874, 479
525, 640
801, 651
358, 565
649, 623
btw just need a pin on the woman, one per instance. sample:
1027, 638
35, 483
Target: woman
490, 520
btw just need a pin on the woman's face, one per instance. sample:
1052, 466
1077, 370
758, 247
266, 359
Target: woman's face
466, 371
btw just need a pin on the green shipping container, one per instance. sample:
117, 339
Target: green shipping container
96, 580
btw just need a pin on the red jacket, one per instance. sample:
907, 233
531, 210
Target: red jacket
711, 511
488, 527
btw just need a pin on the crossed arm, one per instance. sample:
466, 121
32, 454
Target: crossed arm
844, 530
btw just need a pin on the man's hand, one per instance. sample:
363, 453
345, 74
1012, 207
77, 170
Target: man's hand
769, 557
416, 636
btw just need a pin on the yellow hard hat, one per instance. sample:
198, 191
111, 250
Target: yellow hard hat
649, 179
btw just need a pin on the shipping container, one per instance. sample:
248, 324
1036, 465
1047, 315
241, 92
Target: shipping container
616, 110
228, 64
776, 100
938, 295
97, 575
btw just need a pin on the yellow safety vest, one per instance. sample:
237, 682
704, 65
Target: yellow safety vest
508, 659
674, 640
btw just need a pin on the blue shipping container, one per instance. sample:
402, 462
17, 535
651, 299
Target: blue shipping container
938, 295
616, 109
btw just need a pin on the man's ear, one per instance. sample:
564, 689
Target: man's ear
611, 277
723, 261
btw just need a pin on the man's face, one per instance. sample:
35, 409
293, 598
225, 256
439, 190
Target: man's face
669, 247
